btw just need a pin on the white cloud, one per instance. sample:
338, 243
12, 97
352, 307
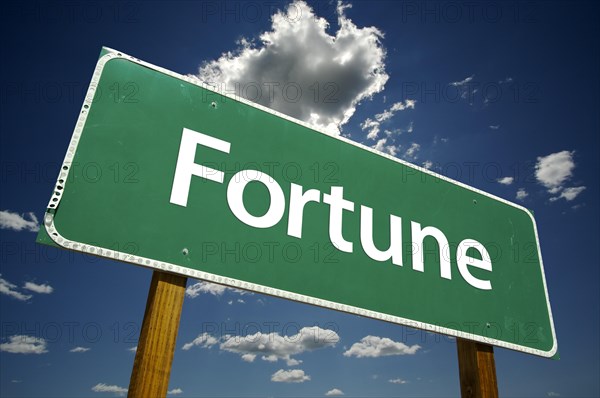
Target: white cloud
374, 347
391, 111
101, 387
495, 126
21, 344
248, 357
382, 147
506, 180
569, 194
385, 115
466, 91
204, 340
273, 347
199, 288
301, 70
196, 289
508, 79
554, 170
175, 391
11, 290
80, 349
522, 194
132, 349
411, 152
428, 164
289, 376
41, 289
373, 126
462, 82
270, 347
398, 381
17, 222
293, 362
336, 392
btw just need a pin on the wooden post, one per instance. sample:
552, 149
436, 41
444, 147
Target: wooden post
156, 346
477, 370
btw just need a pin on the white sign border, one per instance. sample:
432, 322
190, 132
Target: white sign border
235, 283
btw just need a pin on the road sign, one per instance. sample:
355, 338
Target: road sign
164, 172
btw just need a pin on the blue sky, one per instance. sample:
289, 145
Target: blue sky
501, 97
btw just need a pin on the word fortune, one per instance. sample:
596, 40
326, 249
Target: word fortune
299, 198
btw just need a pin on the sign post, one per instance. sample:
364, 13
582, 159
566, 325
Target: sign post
156, 345
477, 370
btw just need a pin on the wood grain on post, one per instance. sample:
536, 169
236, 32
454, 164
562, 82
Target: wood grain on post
156, 346
477, 370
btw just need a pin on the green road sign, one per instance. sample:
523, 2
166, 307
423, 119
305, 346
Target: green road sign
164, 172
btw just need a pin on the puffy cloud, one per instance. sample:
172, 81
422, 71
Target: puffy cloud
336, 392
398, 106
41, 289
101, 387
175, 391
569, 194
506, 180
17, 222
411, 152
554, 170
428, 164
398, 381
271, 347
248, 357
80, 349
382, 146
204, 340
466, 90
374, 347
199, 288
462, 82
373, 126
301, 70
495, 126
290, 376
11, 290
22, 344
522, 194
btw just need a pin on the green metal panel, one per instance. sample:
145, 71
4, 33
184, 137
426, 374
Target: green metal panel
114, 193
